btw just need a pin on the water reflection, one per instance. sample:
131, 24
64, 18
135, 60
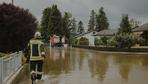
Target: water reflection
98, 65
82, 66
124, 64
57, 62
127, 62
144, 62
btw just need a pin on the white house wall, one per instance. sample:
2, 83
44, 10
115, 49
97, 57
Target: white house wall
89, 37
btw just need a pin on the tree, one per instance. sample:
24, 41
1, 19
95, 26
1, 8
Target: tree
98, 42
91, 23
134, 23
80, 27
126, 40
73, 28
66, 22
101, 20
56, 22
45, 29
125, 26
17, 27
104, 40
51, 22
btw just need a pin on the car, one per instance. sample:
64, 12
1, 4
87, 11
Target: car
58, 45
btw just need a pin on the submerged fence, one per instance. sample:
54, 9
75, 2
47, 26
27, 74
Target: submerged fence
9, 65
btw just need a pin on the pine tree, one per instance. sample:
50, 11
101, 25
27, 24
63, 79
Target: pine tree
56, 21
45, 29
91, 23
125, 26
80, 27
73, 28
66, 22
101, 20
51, 22
134, 23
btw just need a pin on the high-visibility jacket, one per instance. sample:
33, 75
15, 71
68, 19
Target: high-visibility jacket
36, 50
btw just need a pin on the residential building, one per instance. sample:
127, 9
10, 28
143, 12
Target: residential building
106, 32
88, 35
91, 35
140, 29
55, 40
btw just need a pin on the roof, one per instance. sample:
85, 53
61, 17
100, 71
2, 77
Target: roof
79, 35
107, 32
141, 28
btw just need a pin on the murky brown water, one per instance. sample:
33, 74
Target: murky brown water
82, 66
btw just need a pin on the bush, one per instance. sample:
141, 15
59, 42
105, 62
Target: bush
104, 40
17, 27
98, 42
75, 42
127, 40
101, 41
83, 41
111, 42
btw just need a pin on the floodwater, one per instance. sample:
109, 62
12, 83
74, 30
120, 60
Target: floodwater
82, 66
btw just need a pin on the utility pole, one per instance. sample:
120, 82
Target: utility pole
12, 1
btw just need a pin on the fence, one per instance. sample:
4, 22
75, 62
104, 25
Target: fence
9, 65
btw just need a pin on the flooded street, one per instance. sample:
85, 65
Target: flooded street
82, 66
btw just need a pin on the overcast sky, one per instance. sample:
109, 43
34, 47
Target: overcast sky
80, 9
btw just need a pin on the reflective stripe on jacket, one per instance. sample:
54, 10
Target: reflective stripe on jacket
35, 47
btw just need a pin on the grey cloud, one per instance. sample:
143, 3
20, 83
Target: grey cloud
137, 9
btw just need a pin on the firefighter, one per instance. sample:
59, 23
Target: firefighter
37, 56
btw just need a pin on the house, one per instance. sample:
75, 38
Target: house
139, 30
91, 35
88, 35
55, 40
142, 31
106, 32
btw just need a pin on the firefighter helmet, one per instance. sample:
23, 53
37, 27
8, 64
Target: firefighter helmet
37, 35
